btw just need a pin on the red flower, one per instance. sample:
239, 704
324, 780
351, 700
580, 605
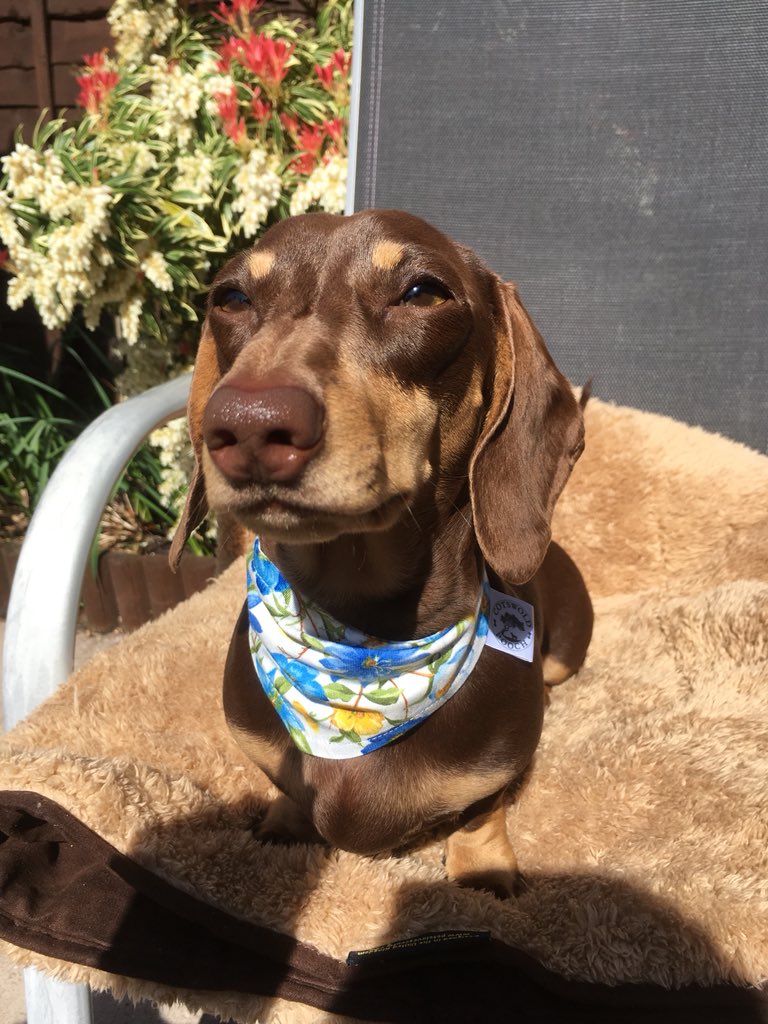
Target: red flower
94, 60
3, 257
310, 139
262, 109
251, 53
335, 129
227, 105
304, 163
229, 109
325, 74
228, 51
278, 55
290, 124
339, 64
236, 130
237, 11
96, 84
266, 58
342, 62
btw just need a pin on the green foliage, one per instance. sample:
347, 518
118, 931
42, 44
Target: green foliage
38, 422
33, 437
186, 151
198, 132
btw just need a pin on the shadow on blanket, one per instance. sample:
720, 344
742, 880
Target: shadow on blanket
129, 922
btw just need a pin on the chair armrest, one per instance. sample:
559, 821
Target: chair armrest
42, 612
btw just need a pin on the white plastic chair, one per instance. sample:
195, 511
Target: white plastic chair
65, 523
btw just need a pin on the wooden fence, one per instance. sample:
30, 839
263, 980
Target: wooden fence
41, 42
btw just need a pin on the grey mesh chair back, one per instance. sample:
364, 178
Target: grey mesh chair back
612, 158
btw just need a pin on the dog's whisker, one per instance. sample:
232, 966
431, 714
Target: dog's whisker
461, 513
404, 501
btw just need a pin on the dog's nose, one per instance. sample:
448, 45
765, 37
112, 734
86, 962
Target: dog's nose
264, 434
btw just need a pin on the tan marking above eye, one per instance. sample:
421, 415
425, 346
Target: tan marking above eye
260, 262
387, 255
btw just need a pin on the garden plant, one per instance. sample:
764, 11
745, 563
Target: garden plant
202, 126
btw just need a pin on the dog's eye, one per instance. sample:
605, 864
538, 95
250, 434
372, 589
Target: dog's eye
233, 301
428, 293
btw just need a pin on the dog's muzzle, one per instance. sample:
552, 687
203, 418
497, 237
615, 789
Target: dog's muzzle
260, 434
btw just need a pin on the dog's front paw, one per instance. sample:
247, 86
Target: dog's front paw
480, 856
284, 822
502, 883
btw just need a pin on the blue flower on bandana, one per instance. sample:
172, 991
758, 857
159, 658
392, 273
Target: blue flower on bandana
303, 676
267, 678
287, 714
281, 706
268, 576
366, 664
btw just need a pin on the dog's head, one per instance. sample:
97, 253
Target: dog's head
349, 367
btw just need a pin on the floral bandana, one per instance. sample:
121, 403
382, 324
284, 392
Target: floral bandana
339, 692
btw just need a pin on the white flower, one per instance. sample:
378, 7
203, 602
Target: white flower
91, 205
156, 270
135, 154
139, 28
130, 319
113, 290
207, 65
258, 189
214, 86
21, 287
157, 67
176, 96
20, 165
195, 173
70, 248
103, 256
39, 277
302, 198
9, 228
175, 457
19, 290
184, 135
66, 265
40, 177
326, 187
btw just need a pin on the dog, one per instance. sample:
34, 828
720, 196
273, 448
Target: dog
376, 405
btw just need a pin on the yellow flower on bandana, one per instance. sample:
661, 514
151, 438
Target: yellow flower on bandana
364, 723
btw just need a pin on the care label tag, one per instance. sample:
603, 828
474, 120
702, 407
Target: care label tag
510, 625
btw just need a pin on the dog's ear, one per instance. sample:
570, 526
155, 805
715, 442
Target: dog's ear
532, 435
204, 379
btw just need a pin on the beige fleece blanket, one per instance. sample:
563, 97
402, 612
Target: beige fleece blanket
643, 831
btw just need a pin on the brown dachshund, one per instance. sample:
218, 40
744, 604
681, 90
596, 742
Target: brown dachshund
377, 406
